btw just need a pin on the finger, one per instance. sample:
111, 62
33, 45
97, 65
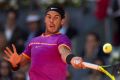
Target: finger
7, 59
78, 62
14, 48
81, 66
9, 50
8, 55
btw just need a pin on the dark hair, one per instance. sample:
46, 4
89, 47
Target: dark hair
95, 35
12, 10
58, 8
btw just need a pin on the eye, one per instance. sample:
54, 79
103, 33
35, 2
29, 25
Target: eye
56, 17
49, 17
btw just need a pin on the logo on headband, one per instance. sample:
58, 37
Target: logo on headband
53, 8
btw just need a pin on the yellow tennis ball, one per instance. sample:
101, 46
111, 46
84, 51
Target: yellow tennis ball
107, 48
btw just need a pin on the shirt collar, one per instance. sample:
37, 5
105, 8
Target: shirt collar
43, 34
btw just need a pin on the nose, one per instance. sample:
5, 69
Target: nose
51, 20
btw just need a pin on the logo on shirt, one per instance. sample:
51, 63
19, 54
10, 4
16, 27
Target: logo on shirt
37, 46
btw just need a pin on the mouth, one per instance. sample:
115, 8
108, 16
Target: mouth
52, 26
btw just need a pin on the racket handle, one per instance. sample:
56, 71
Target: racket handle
91, 66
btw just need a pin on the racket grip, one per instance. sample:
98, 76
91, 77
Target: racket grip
90, 65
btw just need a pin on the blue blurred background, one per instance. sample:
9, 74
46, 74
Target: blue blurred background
88, 23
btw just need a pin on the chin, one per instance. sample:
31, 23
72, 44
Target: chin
52, 32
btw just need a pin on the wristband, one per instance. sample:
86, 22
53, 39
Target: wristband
69, 57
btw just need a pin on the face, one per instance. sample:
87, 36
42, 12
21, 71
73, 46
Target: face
91, 41
53, 21
32, 26
11, 19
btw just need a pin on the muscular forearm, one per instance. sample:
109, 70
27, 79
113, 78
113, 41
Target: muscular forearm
64, 51
69, 58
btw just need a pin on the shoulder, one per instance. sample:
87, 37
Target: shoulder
63, 37
64, 40
35, 39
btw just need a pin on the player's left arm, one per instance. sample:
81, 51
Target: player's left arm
67, 57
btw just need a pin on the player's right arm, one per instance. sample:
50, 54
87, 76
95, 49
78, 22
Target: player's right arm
13, 58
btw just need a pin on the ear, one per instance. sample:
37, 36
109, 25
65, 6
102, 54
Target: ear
63, 21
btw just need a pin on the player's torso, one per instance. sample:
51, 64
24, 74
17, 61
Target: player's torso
45, 56
45, 49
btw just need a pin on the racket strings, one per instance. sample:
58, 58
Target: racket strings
116, 70
107, 73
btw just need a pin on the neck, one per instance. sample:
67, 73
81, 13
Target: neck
49, 33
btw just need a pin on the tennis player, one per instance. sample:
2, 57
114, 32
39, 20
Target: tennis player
49, 53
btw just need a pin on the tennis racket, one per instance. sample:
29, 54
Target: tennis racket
109, 70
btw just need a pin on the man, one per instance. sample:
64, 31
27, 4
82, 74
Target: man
49, 52
12, 32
